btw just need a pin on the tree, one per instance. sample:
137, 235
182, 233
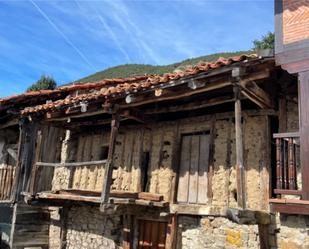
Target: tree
267, 42
44, 83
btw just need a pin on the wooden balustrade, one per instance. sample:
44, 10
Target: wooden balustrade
287, 161
80, 175
7, 173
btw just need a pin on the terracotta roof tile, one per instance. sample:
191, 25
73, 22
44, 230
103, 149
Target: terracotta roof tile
106, 88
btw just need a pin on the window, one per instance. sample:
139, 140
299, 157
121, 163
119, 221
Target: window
194, 161
104, 153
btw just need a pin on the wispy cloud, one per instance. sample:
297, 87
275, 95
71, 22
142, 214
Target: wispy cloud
114, 37
124, 19
43, 13
68, 39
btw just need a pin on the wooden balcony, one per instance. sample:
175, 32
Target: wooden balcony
76, 191
288, 175
287, 161
80, 176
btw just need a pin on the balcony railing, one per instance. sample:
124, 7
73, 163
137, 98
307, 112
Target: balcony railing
39, 183
288, 168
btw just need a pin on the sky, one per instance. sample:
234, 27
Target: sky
70, 39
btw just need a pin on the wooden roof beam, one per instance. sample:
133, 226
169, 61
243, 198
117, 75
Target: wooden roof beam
252, 91
256, 94
134, 114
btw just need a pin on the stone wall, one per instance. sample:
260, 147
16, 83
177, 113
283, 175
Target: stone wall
292, 232
54, 228
85, 227
215, 233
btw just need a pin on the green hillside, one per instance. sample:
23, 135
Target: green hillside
127, 70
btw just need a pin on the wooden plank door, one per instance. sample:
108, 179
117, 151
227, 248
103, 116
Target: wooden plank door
151, 234
192, 183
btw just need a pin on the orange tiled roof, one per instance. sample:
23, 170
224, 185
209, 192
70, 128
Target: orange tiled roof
110, 87
68, 88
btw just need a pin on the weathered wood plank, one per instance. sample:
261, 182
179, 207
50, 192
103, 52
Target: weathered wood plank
304, 130
110, 162
150, 196
203, 169
183, 183
241, 199
162, 235
77, 164
194, 171
34, 173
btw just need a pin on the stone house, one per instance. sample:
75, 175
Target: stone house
206, 158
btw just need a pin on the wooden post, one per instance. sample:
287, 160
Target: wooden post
34, 172
110, 159
264, 236
240, 171
127, 231
21, 141
64, 222
303, 96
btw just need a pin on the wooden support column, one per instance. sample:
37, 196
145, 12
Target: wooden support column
240, 171
110, 159
21, 141
35, 169
128, 231
304, 130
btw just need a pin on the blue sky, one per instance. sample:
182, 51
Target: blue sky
72, 39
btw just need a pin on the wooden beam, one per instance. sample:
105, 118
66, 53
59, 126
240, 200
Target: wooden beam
211, 84
192, 105
240, 171
135, 115
35, 168
128, 231
256, 94
21, 144
290, 208
110, 159
303, 95
61, 116
11, 122
64, 214
150, 196
77, 164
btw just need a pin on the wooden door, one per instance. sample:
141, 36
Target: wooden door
192, 184
151, 234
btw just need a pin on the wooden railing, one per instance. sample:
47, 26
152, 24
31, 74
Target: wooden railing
89, 168
287, 163
7, 173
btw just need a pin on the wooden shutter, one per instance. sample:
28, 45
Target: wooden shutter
192, 184
152, 234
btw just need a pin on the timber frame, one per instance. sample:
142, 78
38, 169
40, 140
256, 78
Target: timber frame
142, 107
